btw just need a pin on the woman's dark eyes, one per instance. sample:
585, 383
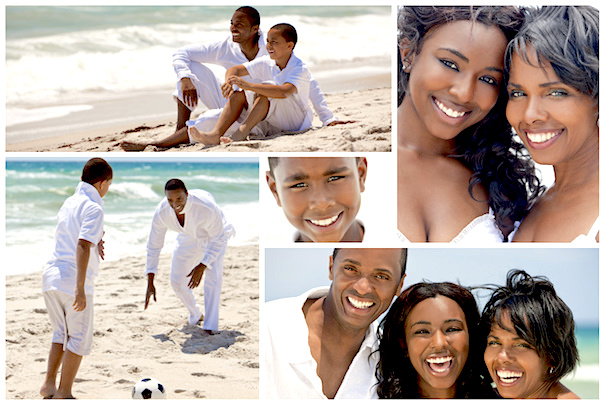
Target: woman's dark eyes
449, 64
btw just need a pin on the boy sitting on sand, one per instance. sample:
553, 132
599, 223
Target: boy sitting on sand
68, 278
279, 103
320, 196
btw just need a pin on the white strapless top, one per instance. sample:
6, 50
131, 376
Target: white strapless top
482, 230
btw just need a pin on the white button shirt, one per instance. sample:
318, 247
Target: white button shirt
204, 222
288, 368
80, 217
227, 53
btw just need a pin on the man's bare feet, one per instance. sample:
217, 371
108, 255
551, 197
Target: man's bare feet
133, 146
204, 137
225, 139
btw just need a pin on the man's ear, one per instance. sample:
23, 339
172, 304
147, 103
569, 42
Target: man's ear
272, 185
331, 268
362, 170
400, 285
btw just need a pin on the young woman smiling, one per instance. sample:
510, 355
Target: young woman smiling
429, 346
553, 91
461, 177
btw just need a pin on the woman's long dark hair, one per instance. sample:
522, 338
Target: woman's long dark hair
498, 161
396, 375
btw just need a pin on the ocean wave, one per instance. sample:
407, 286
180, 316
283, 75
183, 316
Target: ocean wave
134, 191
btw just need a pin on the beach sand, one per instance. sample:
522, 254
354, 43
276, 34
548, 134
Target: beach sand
370, 109
130, 344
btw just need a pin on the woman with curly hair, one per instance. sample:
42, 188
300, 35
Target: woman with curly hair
530, 334
553, 91
461, 176
429, 346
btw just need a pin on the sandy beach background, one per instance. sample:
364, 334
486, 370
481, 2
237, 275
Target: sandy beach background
130, 344
112, 75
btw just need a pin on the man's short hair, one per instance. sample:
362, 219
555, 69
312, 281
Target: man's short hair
95, 170
252, 14
175, 184
288, 32
402, 260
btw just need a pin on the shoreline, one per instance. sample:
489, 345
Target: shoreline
130, 344
370, 109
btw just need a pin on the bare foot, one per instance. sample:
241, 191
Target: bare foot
133, 146
209, 332
225, 139
204, 137
48, 390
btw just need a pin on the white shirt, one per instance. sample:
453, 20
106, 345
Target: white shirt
295, 72
204, 221
80, 217
289, 370
227, 53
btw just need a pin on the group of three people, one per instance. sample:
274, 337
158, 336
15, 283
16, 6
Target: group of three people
465, 75
432, 343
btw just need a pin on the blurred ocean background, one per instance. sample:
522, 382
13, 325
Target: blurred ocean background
36, 189
61, 60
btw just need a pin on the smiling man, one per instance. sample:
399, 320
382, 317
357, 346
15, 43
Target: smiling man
203, 232
322, 344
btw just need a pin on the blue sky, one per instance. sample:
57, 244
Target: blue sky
573, 271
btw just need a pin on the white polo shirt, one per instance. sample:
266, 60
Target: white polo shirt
80, 217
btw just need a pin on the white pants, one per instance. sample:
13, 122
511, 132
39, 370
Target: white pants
187, 254
73, 329
207, 85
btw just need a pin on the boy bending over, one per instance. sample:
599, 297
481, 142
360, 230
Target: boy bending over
279, 103
68, 278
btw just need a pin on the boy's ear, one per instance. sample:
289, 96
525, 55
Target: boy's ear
272, 185
406, 55
331, 268
362, 169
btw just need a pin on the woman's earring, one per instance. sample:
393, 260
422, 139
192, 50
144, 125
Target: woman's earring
550, 370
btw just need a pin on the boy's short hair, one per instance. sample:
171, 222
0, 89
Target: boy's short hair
175, 184
273, 161
252, 14
288, 32
95, 170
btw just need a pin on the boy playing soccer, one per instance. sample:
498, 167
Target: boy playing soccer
68, 278
320, 196
279, 103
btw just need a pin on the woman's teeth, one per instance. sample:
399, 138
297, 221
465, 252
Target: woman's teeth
508, 376
541, 137
449, 111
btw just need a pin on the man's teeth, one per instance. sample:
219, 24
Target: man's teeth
541, 137
360, 304
508, 376
449, 111
324, 222
439, 360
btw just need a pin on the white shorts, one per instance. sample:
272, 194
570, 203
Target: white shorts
73, 329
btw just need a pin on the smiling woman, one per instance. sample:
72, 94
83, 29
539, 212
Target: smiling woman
553, 86
530, 335
461, 176
429, 345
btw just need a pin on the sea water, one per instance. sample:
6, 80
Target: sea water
36, 189
73, 55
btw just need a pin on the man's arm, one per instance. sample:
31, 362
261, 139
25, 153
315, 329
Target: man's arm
82, 258
155, 243
150, 289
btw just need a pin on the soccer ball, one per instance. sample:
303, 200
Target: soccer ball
148, 388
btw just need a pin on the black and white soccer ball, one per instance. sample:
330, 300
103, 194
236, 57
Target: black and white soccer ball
148, 388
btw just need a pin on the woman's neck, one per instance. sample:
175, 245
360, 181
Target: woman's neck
413, 133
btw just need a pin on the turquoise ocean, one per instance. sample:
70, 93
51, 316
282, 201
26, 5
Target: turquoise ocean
36, 189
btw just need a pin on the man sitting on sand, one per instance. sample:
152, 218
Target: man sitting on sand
280, 101
68, 278
203, 232
196, 82
323, 344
